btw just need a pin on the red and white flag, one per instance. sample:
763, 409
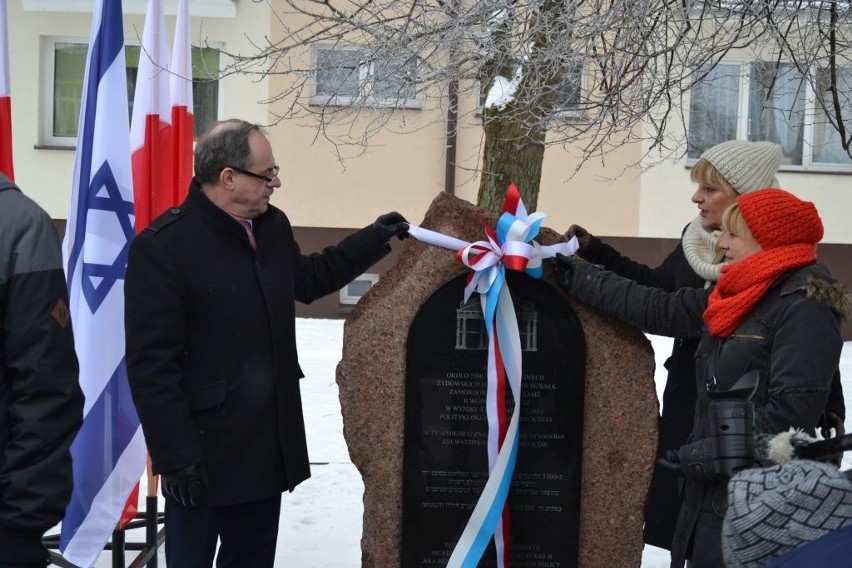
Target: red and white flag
5, 98
150, 127
180, 85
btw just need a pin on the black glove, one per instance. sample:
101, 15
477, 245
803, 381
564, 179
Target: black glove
564, 267
583, 236
185, 485
391, 225
694, 460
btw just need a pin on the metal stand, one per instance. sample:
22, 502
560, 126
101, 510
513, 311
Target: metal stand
147, 557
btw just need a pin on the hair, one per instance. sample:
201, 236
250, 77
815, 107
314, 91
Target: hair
225, 144
705, 173
734, 223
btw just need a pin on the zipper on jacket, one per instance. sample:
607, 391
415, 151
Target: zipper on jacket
748, 336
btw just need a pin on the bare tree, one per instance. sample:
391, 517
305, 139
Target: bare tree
594, 74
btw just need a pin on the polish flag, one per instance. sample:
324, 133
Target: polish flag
180, 85
150, 127
5, 100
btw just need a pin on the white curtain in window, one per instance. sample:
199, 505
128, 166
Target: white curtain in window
713, 109
777, 108
827, 144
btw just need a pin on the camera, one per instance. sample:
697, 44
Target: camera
729, 447
731, 421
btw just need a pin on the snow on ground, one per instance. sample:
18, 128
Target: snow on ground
321, 520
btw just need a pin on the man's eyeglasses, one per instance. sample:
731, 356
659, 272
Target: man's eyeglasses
267, 179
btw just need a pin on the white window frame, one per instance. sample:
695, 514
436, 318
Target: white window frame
197, 8
48, 61
567, 112
48, 65
366, 74
742, 129
347, 298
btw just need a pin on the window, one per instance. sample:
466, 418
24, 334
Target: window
342, 77
352, 292
570, 96
767, 101
65, 62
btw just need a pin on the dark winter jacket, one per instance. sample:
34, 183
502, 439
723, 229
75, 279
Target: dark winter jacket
41, 404
792, 338
211, 345
678, 404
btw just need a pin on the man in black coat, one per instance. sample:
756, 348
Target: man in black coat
41, 403
211, 347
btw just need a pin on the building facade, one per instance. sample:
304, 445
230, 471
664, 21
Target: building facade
633, 195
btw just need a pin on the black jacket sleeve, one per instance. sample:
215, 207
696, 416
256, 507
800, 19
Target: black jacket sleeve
653, 310
320, 274
805, 351
41, 403
836, 403
663, 276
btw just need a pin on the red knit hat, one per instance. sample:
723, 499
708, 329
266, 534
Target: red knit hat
777, 218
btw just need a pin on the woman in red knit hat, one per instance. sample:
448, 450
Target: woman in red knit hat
774, 310
721, 174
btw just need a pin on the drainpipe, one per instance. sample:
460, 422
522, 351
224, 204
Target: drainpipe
452, 128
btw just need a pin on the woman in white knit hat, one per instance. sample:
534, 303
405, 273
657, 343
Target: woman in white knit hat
722, 173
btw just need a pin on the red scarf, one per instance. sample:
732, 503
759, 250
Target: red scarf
744, 283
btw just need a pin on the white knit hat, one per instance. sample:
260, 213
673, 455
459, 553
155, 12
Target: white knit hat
747, 166
773, 510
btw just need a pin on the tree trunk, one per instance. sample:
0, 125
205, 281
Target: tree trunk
515, 134
511, 153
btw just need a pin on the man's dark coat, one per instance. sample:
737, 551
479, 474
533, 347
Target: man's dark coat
211, 346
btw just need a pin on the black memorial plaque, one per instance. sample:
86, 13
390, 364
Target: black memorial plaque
445, 460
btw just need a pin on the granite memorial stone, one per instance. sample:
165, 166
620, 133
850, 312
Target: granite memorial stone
588, 413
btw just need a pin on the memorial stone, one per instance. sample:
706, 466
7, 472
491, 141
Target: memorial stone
588, 414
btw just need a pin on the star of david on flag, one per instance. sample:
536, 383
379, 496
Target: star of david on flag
109, 451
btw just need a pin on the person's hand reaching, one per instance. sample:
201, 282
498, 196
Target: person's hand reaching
391, 225
583, 236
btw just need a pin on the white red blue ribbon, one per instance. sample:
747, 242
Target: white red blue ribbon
510, 246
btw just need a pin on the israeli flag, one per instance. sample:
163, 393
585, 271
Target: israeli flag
109, 453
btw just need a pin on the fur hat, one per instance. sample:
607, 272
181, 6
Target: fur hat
773, 510
747, 166
777, 218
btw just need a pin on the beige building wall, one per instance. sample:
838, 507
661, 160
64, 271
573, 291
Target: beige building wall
403, 167
665, 205
397, 171
44, 173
